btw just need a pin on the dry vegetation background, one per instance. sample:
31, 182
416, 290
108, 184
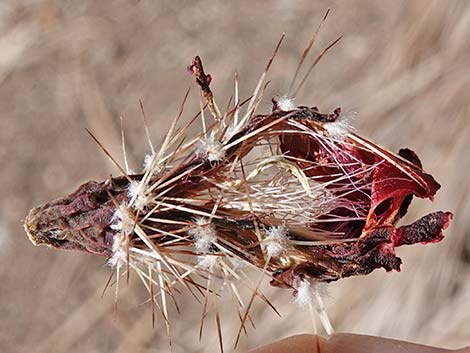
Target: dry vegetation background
403, 66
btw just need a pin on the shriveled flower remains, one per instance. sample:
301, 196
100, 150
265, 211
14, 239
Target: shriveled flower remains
293, 192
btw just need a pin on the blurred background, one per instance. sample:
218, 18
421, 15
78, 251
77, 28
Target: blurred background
403, 66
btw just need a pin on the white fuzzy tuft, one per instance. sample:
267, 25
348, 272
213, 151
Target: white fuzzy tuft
123, 220
137, 192
210, 148
286, 103
207, 262
309, 295
305, 294
340, 128
149, 163
120, 248
275, 241
204, 235
148, 159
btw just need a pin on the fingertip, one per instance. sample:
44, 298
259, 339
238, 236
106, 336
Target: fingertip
351, 343
299, 344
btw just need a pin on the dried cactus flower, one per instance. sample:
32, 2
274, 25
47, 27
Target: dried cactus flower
294, 193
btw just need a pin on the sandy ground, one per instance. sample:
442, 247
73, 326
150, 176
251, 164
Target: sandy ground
403, 66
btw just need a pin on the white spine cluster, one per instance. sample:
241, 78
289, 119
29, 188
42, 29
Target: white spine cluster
151, 164
123, 220
137, 194
286, 103
120, 250
148, 159
204, 235
309, 296
207, 262
305, 294
275, 241
340, 128
210, 148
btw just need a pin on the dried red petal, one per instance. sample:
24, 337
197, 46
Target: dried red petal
428, 229
379, 187
382, 182
375, 249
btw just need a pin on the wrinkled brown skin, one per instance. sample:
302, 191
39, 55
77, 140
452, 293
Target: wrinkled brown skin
348, 343
79, 221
